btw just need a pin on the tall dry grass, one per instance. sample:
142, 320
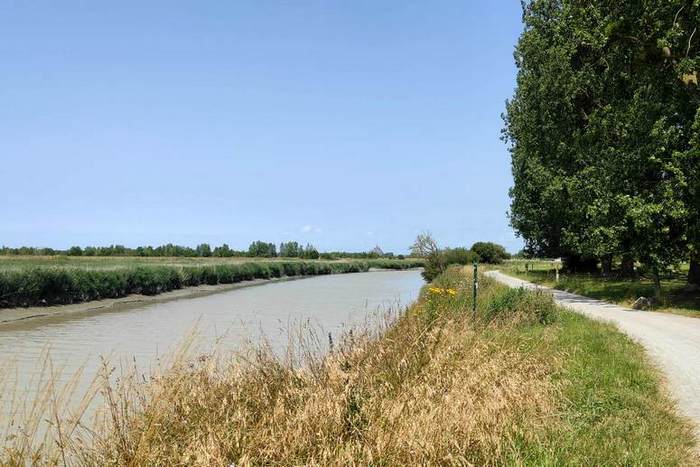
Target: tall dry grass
47, 425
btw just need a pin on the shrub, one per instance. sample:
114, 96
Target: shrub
292, 269
53, 286
437, 261
490, 252
461, 256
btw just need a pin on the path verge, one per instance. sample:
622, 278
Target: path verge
672, 341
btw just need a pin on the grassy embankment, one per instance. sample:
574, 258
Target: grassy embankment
674, 298
32, 281
522, 382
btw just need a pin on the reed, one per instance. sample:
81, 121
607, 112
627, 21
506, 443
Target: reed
38, 286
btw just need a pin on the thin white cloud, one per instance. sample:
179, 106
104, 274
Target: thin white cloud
311, 229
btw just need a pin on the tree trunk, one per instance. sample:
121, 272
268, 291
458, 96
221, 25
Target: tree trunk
606, 265
657, 284
627, 266
694, 274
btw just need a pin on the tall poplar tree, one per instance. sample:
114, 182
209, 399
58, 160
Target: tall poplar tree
600, 130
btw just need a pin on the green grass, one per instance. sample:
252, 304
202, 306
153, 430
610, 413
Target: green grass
32, 281
612, 409
674, 298
11, 262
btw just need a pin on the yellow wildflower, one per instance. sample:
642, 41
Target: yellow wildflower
442, 291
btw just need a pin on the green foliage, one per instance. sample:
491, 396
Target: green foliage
168, 250
396, 264
426, 247
53, 286
490, 252
203, 250
601, 130
437, 262
262, 249
75, 251
522, 254
451, 291
527, 306
290, 250
460, 255
310, 252
223, 251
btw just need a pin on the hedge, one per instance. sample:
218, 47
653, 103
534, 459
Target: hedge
57, 286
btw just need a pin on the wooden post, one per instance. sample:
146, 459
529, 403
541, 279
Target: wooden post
475, 287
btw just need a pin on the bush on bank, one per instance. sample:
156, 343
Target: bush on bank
437, 262
57, 286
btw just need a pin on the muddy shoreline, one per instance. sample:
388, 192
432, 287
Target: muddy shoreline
11, 317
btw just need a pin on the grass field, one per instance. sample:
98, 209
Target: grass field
38, 281
522, 382
11, 262
674, 298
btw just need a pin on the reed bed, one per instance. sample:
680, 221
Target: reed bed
39, 286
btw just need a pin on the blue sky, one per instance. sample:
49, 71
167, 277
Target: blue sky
344, 124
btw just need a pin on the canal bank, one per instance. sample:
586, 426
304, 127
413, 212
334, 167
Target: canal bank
13, 317
141, 334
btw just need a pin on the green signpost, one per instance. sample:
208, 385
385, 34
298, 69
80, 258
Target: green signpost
476, 286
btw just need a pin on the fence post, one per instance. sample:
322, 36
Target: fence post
475, 287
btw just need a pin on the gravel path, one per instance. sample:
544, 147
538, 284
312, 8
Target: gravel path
673, 341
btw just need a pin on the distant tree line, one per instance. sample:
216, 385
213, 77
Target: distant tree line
201, 250
286, 250
257, 249
375, 253
604, 132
